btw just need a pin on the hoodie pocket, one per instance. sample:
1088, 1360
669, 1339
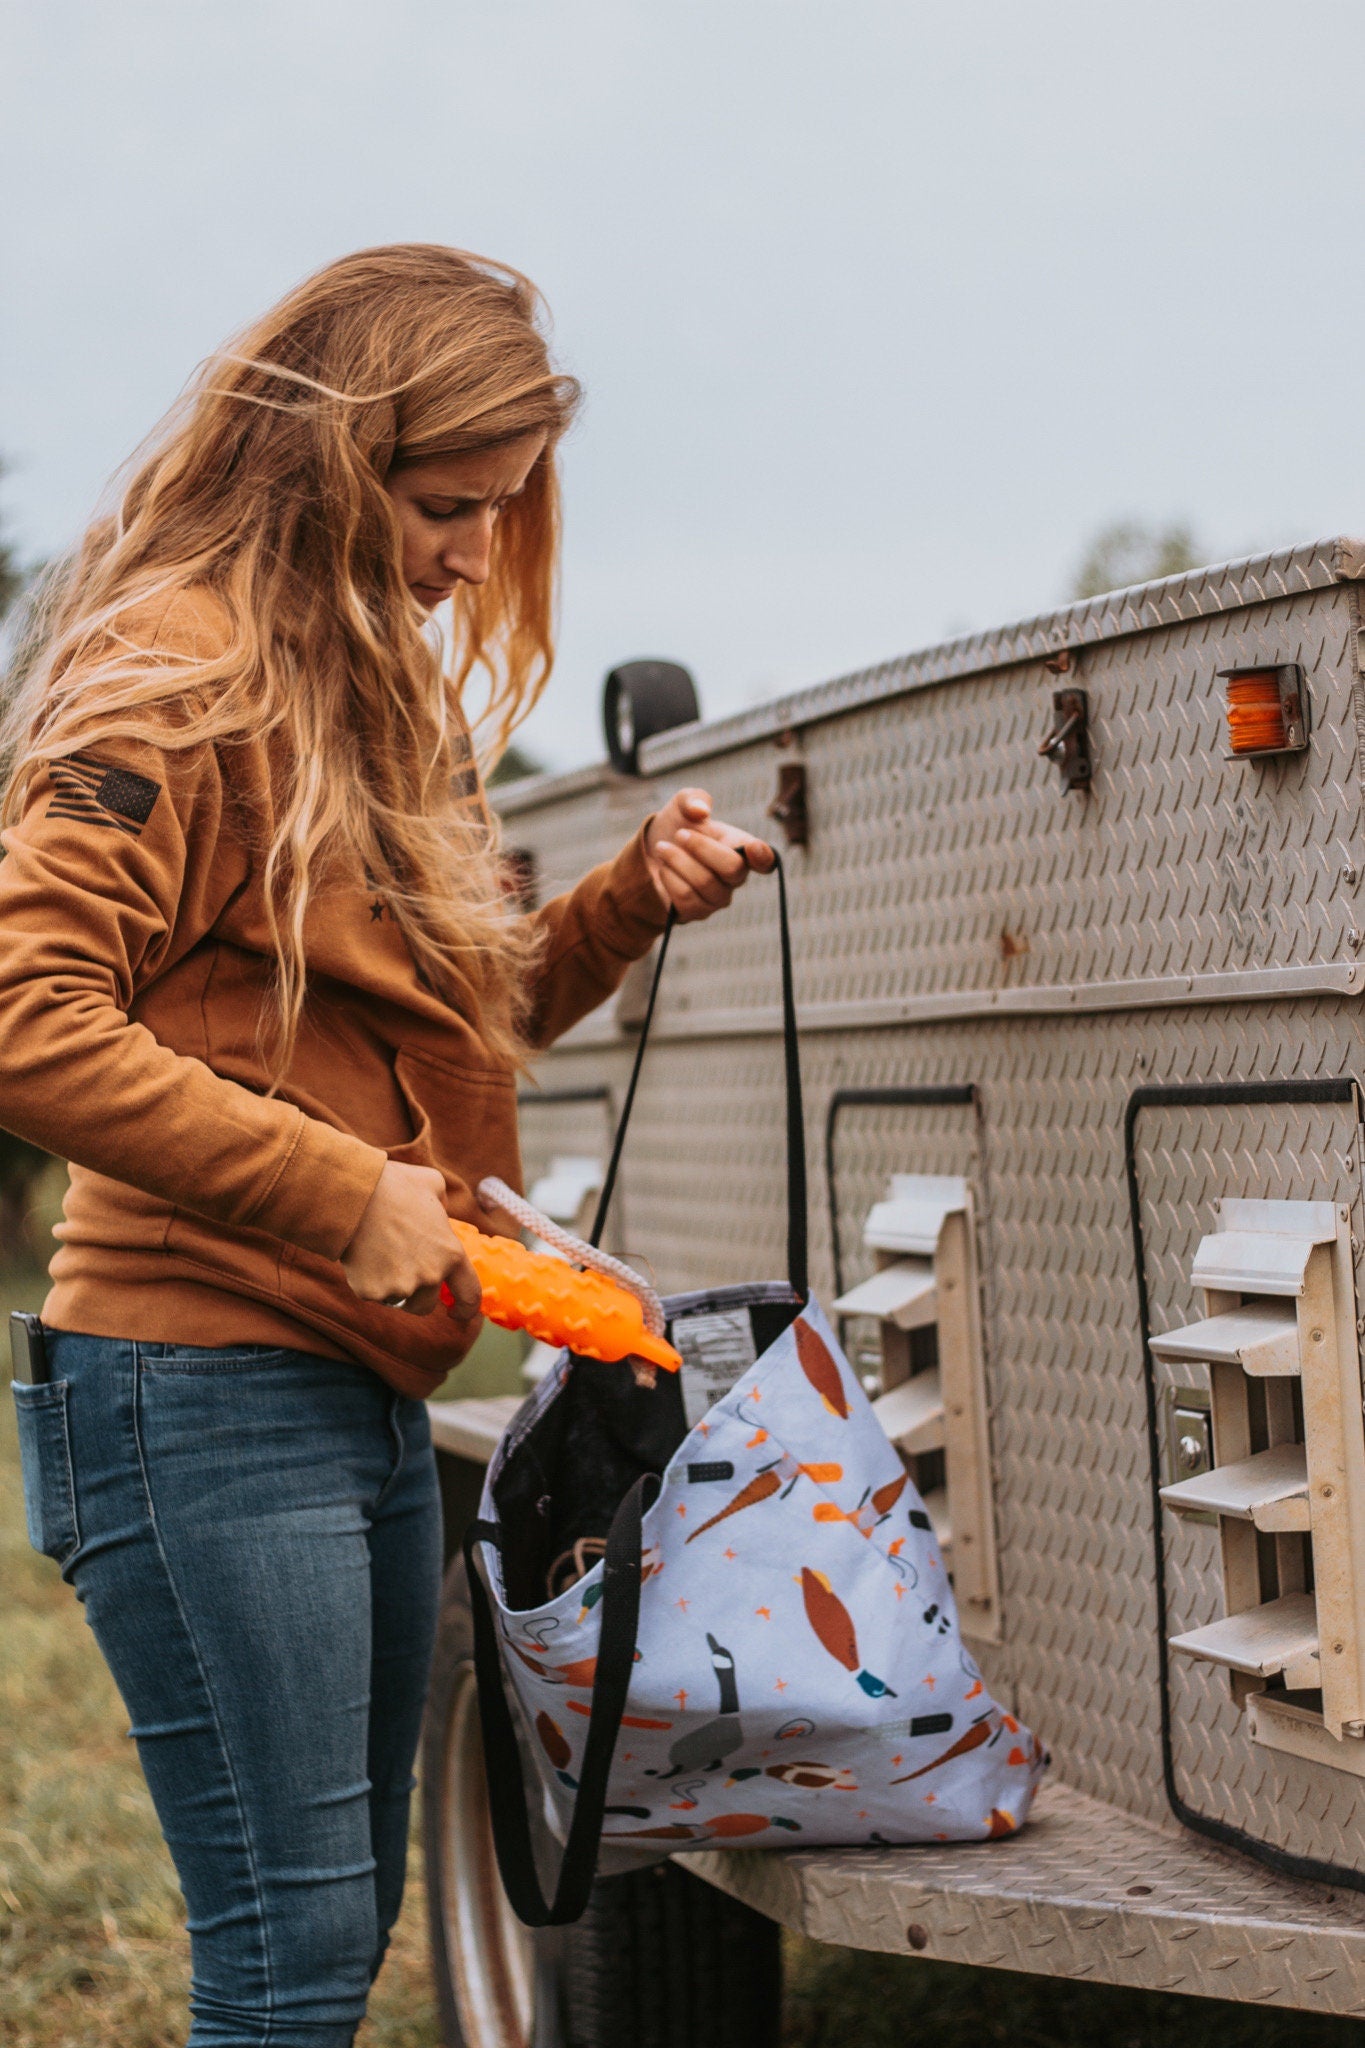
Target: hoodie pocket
465, 1119
49, 1478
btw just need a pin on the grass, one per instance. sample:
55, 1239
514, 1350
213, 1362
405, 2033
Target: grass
93, 1952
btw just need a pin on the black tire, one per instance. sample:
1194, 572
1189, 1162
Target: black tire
662, 1960
659, 1960
641, 698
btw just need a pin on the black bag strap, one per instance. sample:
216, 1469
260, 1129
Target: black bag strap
599, 1221
797, 1253
502, 1752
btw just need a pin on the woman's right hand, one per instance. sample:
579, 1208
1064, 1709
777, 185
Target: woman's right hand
404, 1248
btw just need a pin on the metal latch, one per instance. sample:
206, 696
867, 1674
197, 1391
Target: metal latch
1189, 1433
788, 808
1068, 744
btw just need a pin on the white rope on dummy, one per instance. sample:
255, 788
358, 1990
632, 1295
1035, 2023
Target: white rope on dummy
496, 1193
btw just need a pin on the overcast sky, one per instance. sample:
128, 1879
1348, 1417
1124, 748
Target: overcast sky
882, 307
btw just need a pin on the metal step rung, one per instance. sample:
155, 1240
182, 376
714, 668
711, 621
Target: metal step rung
1281, 1636
1270, 1489
1263, 1339
912, 1414
1240, 1262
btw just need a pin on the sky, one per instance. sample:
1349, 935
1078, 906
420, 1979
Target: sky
882, 307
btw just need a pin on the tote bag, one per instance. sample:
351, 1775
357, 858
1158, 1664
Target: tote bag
718, 1602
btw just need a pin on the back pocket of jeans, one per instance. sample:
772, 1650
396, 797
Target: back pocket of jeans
49, 1482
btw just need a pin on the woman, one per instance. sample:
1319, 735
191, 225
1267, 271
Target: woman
261, 984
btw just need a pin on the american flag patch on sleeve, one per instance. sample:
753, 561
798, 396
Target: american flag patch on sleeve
101, 794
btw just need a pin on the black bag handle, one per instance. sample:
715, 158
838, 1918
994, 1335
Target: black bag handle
798, 1264
502, 1752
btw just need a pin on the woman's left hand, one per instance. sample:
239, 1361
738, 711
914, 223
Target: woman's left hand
696, 862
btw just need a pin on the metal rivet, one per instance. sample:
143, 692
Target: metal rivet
917, 1935
1316, 1335
1139, 1891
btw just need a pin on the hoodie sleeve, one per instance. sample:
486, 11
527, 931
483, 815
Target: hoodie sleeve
115, 870
592, 935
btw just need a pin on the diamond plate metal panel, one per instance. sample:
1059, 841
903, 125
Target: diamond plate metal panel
945, 859
1083, 1892
589, 821
1202, 594
553, 1128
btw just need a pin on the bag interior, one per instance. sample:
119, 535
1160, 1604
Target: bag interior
564, 1481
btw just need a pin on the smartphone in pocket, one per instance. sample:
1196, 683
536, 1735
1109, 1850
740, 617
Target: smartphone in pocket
28, 1348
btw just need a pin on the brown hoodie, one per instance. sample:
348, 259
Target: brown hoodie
135, 959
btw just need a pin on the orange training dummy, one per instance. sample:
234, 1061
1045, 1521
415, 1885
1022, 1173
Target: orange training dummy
551, 1300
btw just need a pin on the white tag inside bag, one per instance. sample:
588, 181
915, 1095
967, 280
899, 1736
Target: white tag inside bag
717, 1350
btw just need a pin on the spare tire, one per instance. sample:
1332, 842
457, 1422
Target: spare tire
641, 698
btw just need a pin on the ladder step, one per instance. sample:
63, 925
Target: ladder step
1273, 1485
1281, 1636
912, 1219
1263, 1340
1243, 1262
904, 1294
912, 1414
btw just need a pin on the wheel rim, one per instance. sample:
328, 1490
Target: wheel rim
489, 1951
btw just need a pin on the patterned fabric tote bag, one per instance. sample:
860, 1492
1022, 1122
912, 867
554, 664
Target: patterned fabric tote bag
718, 1602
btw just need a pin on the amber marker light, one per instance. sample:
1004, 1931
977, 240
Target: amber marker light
1267, 710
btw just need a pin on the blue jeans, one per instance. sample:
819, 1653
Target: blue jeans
256, 1535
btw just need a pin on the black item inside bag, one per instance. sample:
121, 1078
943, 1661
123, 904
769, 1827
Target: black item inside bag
575, 1489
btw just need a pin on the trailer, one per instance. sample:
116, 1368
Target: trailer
1079, 922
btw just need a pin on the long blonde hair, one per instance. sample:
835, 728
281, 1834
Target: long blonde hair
264, 489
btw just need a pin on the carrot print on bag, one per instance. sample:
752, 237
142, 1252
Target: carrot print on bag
627, 1720
768, 1480
980, 1731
